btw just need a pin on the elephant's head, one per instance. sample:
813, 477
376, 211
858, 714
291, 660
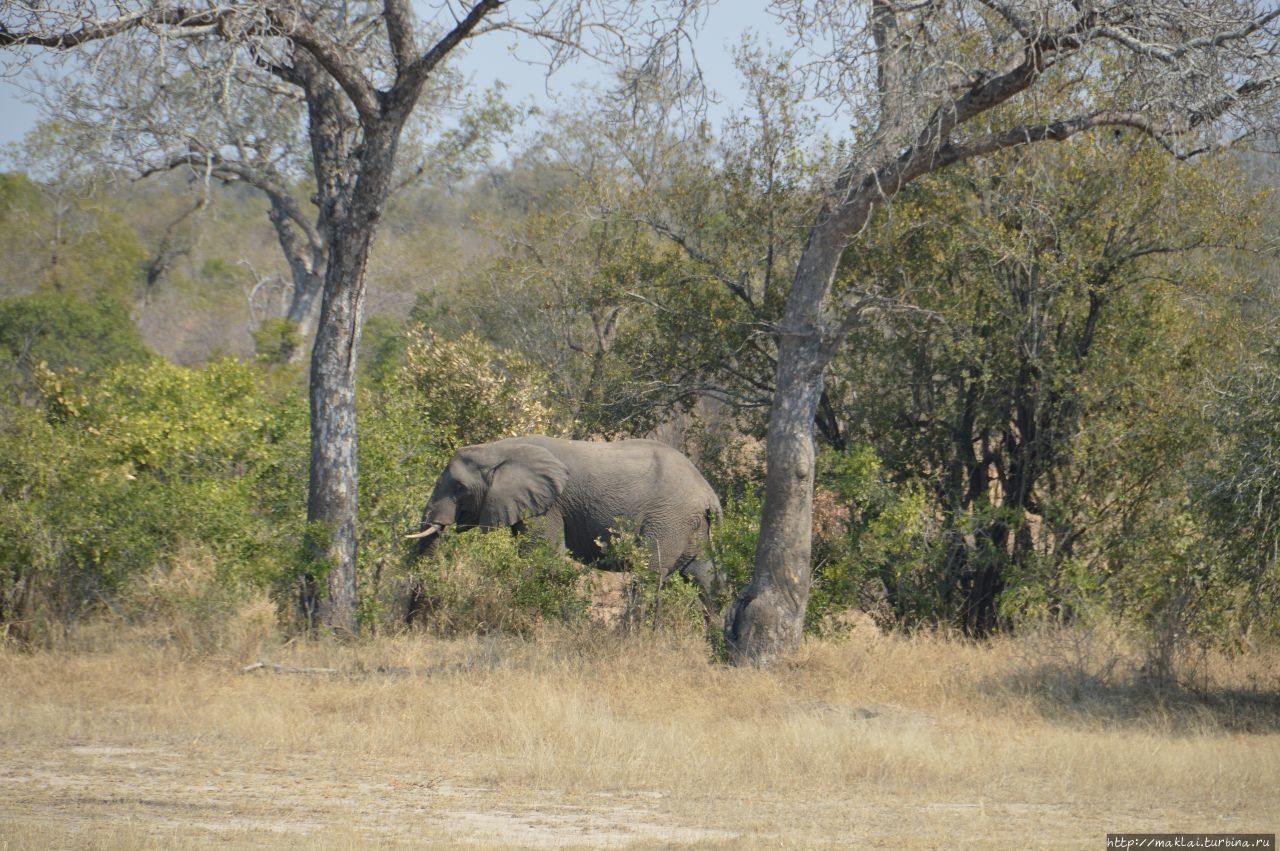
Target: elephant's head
493, 485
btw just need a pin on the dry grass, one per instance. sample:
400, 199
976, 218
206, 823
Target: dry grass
585, 739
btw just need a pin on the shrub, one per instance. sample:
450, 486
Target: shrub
651, 602
277, 341
117, 476
872, 543
491, 583
733, 540
61, 332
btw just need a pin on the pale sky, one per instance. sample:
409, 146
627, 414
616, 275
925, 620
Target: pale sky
489, 60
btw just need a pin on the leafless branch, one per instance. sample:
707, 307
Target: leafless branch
417, 71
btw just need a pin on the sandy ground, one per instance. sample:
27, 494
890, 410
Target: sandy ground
101, 794
87, 794
130, 796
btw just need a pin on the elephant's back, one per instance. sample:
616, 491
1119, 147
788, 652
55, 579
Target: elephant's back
637, 466
645, 483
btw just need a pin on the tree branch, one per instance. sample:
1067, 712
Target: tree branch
231, 170
413, 76
1058, 131
87, 32
1170, 56
226, 23
333, 59
398, 15
738, 288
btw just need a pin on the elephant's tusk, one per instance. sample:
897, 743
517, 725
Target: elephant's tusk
433, 529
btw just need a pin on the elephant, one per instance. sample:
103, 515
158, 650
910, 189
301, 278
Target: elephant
578, 493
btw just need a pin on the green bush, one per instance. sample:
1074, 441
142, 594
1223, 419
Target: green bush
277, 341
62, 332
433, 396
491, 583
733, 540
872, 543
115, 478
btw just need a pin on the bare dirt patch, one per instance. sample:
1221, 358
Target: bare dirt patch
84, 793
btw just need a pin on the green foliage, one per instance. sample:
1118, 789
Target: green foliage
277, 341
874, 544
1236, 490
435, 396
149, 461
493, 583
463, 391
31, 471
442, 394
104, 259
1041, 390
485, 119
27, 229
1058, 390
216, 270
572, 295
63, 332
650, 262
62, 236
19, 194
734, 538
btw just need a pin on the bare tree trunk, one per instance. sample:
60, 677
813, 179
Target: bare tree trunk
333, 492
767, 620
354, 153
307, 256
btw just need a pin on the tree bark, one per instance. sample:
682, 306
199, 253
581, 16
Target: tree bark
333, 491
354, 157
307, 256
766, 622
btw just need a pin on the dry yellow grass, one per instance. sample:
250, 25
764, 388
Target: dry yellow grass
584, 739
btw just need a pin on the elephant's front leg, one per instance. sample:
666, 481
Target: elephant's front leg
548, 527
706, 574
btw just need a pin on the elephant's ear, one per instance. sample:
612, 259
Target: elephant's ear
525, 479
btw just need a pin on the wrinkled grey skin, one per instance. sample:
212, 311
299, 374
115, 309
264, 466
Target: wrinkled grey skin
579, 492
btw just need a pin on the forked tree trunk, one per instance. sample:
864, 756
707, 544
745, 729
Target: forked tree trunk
355, 132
